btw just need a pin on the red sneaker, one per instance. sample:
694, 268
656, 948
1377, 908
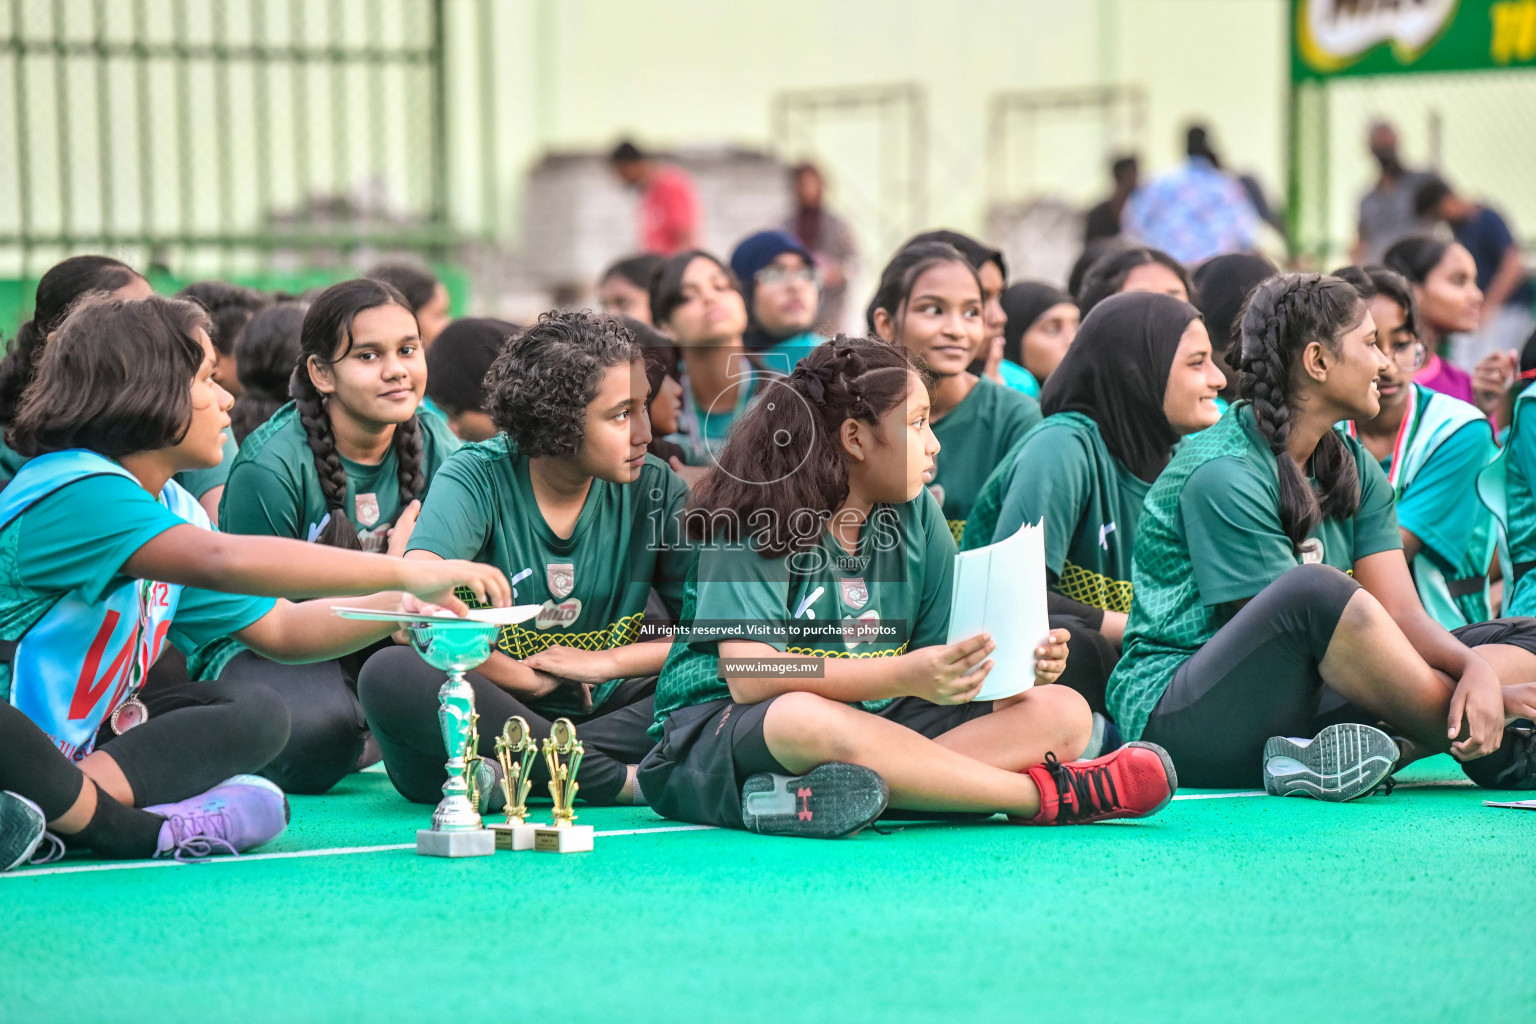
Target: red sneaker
1133, 782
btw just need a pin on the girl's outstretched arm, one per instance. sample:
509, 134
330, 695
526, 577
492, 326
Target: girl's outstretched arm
277, 567
306, 631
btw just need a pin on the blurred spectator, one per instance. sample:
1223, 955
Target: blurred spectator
456, 367
1196, 211
1103, 221
779, 283
830, 241
625, 287
1505, 320
669, 206
1386, 211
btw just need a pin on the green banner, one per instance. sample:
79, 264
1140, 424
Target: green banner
1334, 38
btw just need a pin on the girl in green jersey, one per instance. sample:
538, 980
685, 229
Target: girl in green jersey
345, 464
1272, 600
822, 550
569, 503
930, 304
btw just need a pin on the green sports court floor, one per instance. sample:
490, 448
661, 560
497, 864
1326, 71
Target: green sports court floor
1224, 907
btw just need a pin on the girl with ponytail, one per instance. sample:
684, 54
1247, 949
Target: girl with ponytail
1272, 599
60, 288
816, 515
344, 464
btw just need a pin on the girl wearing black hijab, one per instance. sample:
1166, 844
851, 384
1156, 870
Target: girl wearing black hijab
1139, 376
1042, 321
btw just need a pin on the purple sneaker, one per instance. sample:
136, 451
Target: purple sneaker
236, 815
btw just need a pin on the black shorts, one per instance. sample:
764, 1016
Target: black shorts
708, 750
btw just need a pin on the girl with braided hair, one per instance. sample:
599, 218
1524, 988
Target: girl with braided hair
1272, 600
567, 501
822, 548
930, 304
345, 464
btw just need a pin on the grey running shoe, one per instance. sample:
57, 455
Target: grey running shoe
1340, 763
831, 801
21, 828
488, 776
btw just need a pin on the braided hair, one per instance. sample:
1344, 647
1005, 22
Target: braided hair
60, 288
325, 338
1281, 318
783, 471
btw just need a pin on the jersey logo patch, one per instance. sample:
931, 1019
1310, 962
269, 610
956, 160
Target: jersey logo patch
855, 593
561, 577
1104, 532
367, 506
562, 615
805, 611
1311, 551
937, 490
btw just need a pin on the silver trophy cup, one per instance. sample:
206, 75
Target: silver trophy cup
456, 647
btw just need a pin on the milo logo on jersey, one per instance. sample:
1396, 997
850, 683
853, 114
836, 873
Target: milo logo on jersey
562, 611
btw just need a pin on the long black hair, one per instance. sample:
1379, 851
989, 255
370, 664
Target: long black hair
783, 471
230, 307
416, 284
1107, 276
1374, 279
1282, 317
1415, 256
265, 355
326, 337
59, 289
900, 276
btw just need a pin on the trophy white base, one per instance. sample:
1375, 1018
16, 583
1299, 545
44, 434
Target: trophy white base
571, 839
513, 837
470, 843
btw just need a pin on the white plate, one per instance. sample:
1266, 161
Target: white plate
492, 616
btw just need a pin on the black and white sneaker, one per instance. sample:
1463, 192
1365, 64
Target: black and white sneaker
21, 828
1512, 766
1340, 763
831, 801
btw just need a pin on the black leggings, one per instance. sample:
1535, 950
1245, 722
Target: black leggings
1090, 660
197, 735
31, 766
1258, 677
327, 730
398, 691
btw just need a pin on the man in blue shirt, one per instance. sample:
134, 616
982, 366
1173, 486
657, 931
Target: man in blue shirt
1507, 291
1194, 212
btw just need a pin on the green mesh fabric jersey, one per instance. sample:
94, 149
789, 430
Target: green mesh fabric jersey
1210, 535
902, 575
1063, 475
974, 439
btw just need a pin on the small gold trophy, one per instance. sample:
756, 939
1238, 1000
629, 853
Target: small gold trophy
515, 749
563, 836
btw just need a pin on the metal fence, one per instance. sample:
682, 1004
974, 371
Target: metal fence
229, 137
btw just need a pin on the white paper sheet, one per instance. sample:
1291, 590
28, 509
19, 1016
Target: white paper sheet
492, 616
1000, 589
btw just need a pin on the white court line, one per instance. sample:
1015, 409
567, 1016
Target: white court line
336, 851
343, 851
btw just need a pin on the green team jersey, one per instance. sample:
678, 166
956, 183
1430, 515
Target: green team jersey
11, 462
1063, 474
592, 585
815, 602
199, 482
274, 487
974, 437
1210, 535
